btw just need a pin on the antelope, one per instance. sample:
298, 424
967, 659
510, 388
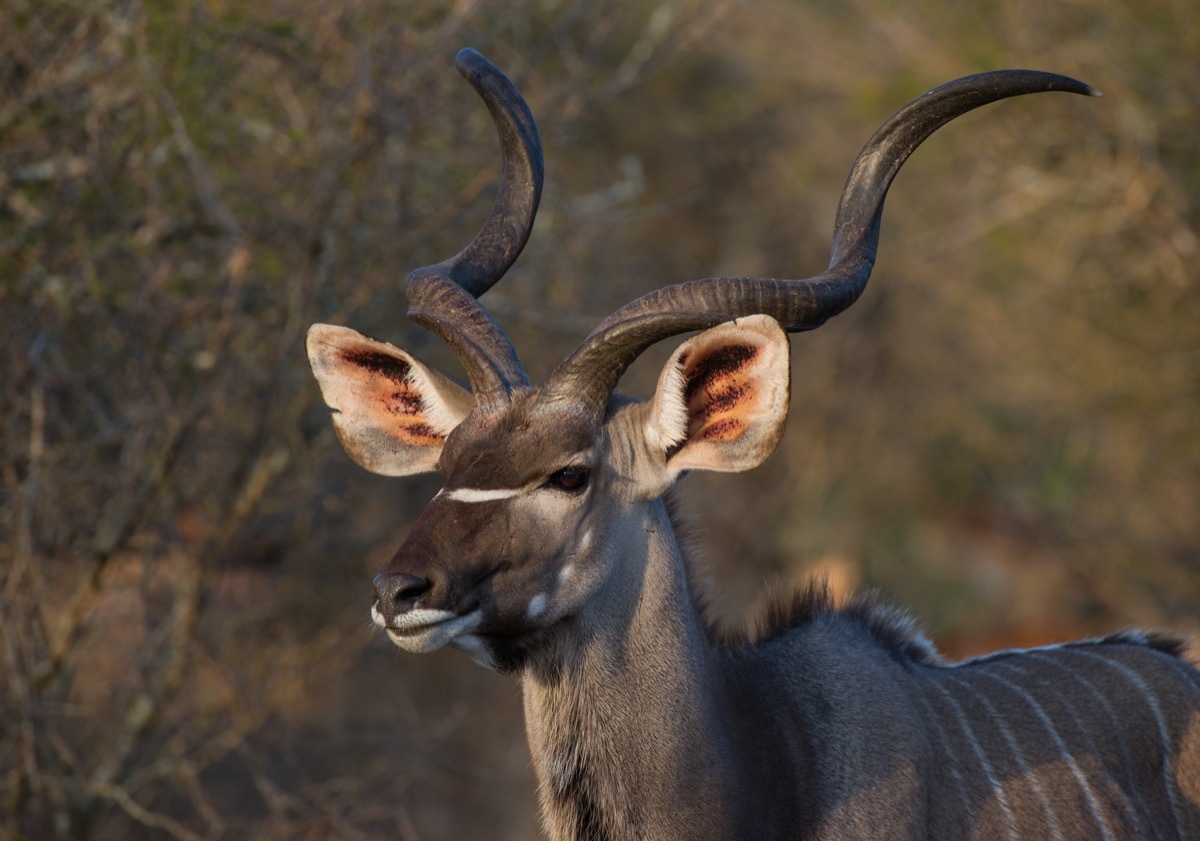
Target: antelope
551, 553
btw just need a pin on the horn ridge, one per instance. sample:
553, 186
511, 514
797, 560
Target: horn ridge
442, 297
893, 142
506, 230
590, 374
450, 312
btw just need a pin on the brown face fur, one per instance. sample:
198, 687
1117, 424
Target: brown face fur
537, 526
498, 536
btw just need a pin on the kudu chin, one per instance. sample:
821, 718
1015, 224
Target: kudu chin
550, 553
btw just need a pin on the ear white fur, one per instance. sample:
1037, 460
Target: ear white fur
391, 413
722, 399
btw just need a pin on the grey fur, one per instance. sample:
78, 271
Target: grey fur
826, 722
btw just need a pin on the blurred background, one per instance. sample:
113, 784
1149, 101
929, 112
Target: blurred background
1003, 436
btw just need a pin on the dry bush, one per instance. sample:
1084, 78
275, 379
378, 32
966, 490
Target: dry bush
1002, 433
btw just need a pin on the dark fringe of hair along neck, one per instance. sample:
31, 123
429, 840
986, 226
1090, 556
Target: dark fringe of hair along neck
785, 608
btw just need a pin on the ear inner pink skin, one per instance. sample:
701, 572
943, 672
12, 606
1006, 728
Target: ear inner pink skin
386, 395
392, 413
718, 395
722, 401
390, 390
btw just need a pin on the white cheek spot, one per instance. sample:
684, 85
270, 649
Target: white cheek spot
565, 573
585, 541
536, 605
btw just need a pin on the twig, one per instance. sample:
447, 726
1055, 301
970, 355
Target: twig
205, 185
139, 813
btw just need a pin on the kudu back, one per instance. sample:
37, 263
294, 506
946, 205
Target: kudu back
551, 553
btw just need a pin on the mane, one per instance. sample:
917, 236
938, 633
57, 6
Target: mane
1164, 643
894, 629
785, 608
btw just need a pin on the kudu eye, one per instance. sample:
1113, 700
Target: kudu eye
570, 479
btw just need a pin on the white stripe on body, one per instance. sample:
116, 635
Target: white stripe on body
1001, 798
1093, 804
1114, 728
932, 717
1168, 770
1026, 772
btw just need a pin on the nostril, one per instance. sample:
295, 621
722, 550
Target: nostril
392, 588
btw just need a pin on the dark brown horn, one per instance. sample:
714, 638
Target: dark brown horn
442, 297
590, 374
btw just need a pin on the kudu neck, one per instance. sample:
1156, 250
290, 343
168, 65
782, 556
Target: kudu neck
625, 712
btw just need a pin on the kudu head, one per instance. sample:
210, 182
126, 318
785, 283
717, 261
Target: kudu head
548, 490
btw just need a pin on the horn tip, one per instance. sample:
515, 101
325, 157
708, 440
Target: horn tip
1075, 86
470, 60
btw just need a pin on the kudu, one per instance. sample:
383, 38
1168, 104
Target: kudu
551, 553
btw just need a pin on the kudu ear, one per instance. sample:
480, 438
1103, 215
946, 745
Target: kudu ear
722, 399
391, 413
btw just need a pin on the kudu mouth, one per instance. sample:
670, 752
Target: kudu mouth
421, 631
397, 610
